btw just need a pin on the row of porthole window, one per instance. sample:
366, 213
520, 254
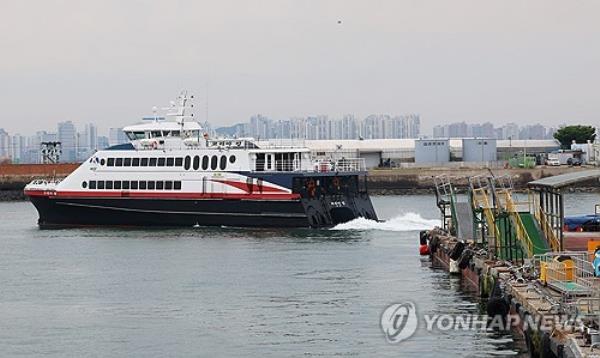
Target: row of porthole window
143, 162
212, 162
132, 184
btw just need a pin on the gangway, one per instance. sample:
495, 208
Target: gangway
444, 193
527, 230
458, 213
464, 220
497, 228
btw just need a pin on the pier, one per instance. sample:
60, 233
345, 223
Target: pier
516, 254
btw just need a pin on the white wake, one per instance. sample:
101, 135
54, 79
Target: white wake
405, 222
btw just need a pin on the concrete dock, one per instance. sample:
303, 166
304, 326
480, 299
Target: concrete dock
546, 291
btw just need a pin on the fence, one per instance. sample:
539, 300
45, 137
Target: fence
570, 274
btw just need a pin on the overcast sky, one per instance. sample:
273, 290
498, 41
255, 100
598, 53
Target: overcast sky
109, 62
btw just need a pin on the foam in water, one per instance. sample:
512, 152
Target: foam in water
405, 222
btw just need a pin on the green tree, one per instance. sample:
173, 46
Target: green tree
579, 134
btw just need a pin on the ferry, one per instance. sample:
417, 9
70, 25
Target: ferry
172, 174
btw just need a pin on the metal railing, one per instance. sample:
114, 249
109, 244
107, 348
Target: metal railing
319, 165
481, 200
288, 165
339, 165
547, 229
507, 203
569, 273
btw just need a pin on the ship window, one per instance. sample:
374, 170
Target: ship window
84, 184
108, 184
205, 162
260, 162
144, 162
232, 159
159, 185
156, 134
161, 162
92, 184
119, 162
117, 185
135, 162
125, 185
143, 185
110, 162
196, 162
188, 163
223, 162
213, 162
177, 185
170, 162
152, 162
127, 162
134, 185
102, 161
100, 184
150, 185
178, 162
168, 185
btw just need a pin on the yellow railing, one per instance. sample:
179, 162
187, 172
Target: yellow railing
542, 218
522, 234
540, 215
480, 199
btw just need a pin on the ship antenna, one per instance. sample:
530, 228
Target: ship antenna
179, 109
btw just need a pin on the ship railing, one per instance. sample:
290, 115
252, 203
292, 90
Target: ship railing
339, 165
288, 165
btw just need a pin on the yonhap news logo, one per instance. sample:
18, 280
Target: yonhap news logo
399, 321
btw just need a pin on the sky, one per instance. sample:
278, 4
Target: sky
109, 62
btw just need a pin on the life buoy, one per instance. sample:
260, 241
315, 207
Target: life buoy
154, 145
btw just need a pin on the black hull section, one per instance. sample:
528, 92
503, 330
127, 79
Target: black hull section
323, 212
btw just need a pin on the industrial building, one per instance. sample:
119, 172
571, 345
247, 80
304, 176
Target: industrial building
396, 152
479, 150
432, 151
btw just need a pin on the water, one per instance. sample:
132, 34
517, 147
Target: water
229, 292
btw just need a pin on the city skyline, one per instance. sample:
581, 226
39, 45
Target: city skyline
79, 142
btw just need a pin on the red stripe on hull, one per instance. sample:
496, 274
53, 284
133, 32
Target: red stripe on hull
160, 195
249, 188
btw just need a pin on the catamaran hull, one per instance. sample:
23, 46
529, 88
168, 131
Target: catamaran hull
55, 212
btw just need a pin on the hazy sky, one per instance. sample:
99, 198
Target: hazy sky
109, 62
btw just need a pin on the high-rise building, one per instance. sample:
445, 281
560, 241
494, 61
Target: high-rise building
91, 137
102, 142
510, 131
4, 145
67, 136
116, 136
18, 146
